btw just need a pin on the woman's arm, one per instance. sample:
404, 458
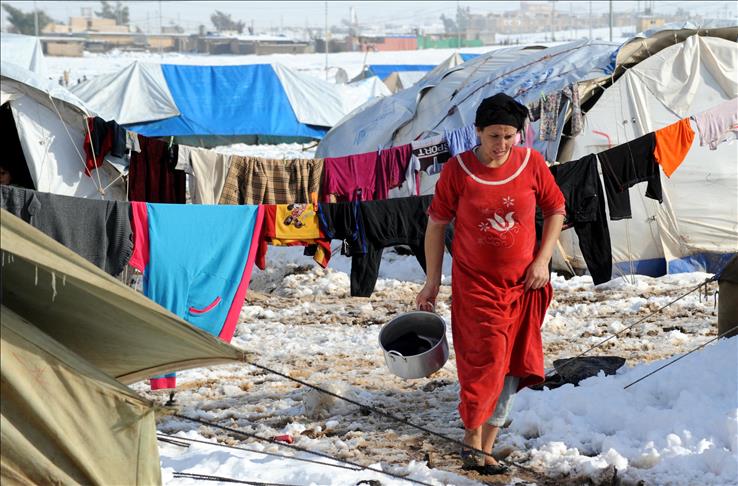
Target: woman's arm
434, 234
537, 274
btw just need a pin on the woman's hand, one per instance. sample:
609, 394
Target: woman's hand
537, 275
426, 299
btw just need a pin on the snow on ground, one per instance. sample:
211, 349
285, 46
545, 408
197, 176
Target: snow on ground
676, 427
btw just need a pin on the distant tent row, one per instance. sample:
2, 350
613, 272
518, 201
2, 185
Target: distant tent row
217, 105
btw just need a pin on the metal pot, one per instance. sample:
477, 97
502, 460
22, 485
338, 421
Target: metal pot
428, 326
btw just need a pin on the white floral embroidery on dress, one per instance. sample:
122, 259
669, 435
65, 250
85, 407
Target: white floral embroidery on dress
508, 201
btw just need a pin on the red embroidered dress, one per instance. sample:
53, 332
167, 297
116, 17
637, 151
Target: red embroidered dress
495, 323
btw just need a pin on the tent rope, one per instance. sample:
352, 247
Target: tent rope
71, 139
292, 446
682, 356
208, 477
612, 336
173, 439
390, 416
411, 424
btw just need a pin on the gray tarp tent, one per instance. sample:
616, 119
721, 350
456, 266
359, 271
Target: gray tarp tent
69, 331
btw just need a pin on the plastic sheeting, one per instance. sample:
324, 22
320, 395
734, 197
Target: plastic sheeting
447, 98
138, 93
382, 71
227, 101
320, 103
698, 220
224, 101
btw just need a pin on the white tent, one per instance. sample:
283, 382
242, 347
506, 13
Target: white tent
24, 51
51, 129
698, 220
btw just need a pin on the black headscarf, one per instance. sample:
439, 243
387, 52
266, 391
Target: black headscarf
501, 109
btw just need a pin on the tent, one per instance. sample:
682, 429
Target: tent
695, 229
24, 51
414, 112
50, 125
211, 105
71, 336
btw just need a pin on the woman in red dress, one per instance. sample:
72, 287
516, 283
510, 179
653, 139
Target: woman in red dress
500, 281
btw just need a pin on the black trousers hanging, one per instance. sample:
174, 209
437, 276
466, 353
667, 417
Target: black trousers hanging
369, 227
585, 211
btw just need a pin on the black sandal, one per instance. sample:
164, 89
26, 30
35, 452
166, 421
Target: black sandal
470, 459
494, 469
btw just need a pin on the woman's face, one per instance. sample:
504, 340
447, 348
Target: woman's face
497, 140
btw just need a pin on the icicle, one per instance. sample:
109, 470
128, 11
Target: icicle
3, 259
53, 286
35, 282
64, 280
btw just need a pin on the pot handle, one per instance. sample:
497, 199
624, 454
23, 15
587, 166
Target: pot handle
433, 307
396, 354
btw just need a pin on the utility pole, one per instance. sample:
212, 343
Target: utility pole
161, 31
458, 26
590, 20
553, 16
572, 23
326, 40
35, 19
610, 20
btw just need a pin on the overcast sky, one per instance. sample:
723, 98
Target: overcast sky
190, 14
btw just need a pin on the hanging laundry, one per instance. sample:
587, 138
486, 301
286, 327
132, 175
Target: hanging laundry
102, 138
132, 142
369, 227
151, 174
342, 221
585, 211
253, 180
534, 110
550, 107
626, 165
209, 172
529, 136
576, 122
205, 280
718, 124
391, 169
461, 139
427, 184
293, 225
409, 186
347, 177
431, 151
672, 144
98, 230
183, 158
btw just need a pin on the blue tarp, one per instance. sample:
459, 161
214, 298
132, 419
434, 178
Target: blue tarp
227, 101
382, 71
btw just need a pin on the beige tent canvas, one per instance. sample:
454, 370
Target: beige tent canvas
64, 421
70, 335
